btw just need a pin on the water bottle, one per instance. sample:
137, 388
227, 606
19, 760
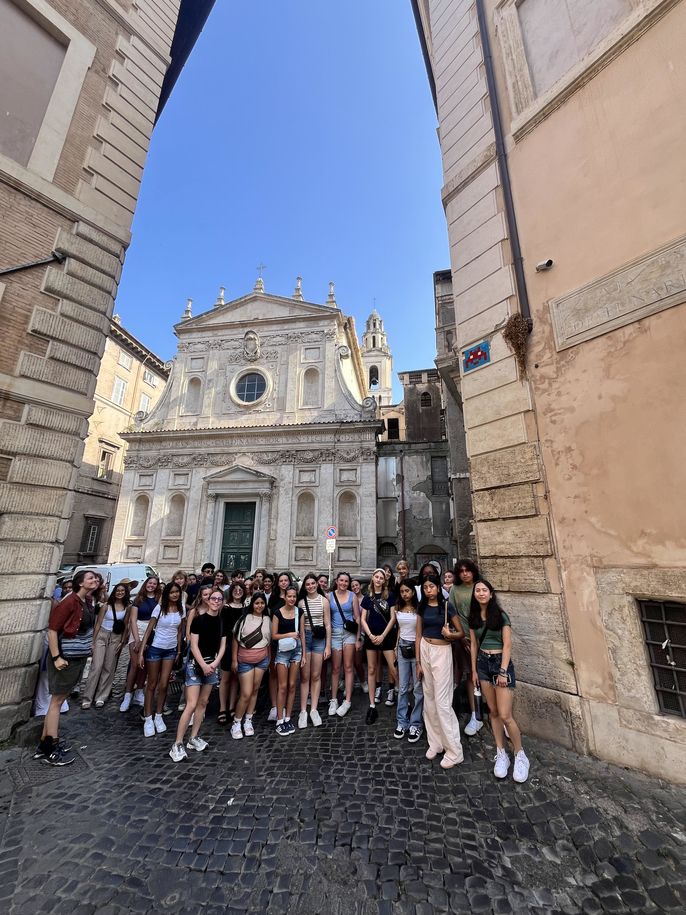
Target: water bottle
477, 703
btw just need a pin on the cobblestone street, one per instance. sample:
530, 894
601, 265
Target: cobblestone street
342, 819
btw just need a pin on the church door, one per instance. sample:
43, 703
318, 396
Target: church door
237, 538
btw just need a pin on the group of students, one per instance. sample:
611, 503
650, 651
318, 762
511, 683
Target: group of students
430, 632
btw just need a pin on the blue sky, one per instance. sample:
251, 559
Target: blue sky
301, 134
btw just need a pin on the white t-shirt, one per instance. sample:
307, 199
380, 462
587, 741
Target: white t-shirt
408, 625
166, 629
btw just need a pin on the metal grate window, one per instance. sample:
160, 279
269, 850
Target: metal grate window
664, 626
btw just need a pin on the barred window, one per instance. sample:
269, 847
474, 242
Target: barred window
664, 627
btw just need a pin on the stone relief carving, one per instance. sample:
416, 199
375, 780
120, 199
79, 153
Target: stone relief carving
239, 357
188, 440
251, 346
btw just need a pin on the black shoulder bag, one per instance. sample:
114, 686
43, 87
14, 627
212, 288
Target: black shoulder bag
249, 641
348, 625
117, 625
318, 632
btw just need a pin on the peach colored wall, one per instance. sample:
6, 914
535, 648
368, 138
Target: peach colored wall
597, 184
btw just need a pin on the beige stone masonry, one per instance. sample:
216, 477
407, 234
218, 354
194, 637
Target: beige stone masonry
15, 588
84, 316
482, 325
491, 405
53, 419
45, 529
56, 373
15, 684
58, 327
515, 537
80, 358
512, 502
552, 715
88, 253
15, 556
17, 616
512, 465
41, 472
494, 288
515, 574
62, 286
37, 500
91, 276
102, 240
23, 439
501, 433
21, 648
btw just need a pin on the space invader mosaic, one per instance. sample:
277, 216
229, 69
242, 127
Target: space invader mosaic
475, 356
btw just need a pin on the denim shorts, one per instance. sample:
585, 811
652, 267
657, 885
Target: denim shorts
289, 657
488, 667
159, 654
341, 637
192, 678
314, 646
245, 667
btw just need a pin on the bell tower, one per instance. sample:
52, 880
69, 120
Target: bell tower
377, 360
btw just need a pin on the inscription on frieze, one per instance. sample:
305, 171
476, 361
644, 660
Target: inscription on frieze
644, 287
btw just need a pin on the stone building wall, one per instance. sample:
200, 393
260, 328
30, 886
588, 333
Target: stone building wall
570, 498
76, 194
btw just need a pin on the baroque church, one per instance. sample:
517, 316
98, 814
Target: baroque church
264, 437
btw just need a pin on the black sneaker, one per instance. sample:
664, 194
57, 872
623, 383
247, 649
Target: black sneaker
415, 734
59, 757
372, 715
399, 733
40, 753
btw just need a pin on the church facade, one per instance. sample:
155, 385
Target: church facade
264, 437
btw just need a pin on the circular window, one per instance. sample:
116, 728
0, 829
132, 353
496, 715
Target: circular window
251, 387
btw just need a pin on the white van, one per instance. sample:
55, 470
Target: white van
113, 572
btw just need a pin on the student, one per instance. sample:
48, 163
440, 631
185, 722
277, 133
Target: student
221, 580
460, 601
160, 650
345, 626
141, 611
315, 631
250, 653
490, 631
70, 642
109, 636
323, 582
402, 570
181, 579
207, 646
267, 585
390, 577
356, 588
276, 600
289, 658
378, 625
228, 687
406, 615
206, 577
435, 669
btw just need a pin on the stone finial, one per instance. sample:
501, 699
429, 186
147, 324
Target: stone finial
220, 297
116, 319
188, 313
298, 292
331, 300
259, 285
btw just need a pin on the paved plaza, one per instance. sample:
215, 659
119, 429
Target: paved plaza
341, 819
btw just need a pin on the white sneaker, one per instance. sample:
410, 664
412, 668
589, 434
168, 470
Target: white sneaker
343, 708
302, 720
473, 727
248, 729
502, 764
178, 752
138, 697
236, 731
390, 697
273, 715
365, 687
149, 727
377, 694
99, 703
126, 702
316, 718
197, 743
160, 726
182, 704
520, 773
333, 707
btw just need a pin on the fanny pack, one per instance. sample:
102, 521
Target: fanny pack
250, 640
348, 625
408, 651
118, 626
289, 644
318, 632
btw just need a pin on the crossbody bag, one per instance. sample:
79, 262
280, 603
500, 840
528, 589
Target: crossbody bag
250, 640
348, 625
318, 632
289, 643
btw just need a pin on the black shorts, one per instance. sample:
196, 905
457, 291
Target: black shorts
388, 643
63, 682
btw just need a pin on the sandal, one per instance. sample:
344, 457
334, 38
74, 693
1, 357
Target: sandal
221, 718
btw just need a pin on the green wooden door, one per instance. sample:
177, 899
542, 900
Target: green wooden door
237, 537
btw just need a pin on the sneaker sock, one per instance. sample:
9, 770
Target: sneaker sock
47, 745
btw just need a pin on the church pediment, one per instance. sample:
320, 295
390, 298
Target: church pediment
254, 309
239, 474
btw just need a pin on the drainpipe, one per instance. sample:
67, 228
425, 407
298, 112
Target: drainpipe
403, 553
501, 156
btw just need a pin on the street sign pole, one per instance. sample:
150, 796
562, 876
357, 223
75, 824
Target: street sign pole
330, 535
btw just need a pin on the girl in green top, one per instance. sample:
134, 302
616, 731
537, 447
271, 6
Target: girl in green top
466, 573
491, 636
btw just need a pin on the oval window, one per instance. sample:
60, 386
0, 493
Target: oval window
251, 387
